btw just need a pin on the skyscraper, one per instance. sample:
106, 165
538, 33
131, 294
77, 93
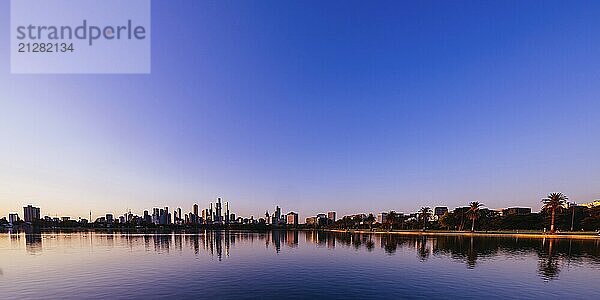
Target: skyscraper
194, 218
167, 216
156, 215
12, 218
31, 213
277, 213
218, 212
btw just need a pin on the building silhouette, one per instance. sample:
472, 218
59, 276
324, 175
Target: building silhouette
292, 218
31, 213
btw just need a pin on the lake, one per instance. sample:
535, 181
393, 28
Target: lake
294, 264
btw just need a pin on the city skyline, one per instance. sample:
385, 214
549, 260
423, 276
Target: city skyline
357, 106
222, 210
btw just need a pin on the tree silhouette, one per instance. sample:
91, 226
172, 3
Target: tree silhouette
473, 213
425, 212
390, 219
554, 202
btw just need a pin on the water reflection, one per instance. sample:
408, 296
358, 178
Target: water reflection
552, 254
33, 243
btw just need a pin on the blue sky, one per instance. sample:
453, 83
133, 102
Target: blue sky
352, 106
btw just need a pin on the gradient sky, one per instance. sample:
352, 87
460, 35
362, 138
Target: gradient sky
353, 106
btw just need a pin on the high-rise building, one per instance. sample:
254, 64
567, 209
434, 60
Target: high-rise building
331, 216
31, 213
194, 218
226, 212
292, 218
155, 214
218, 211
12, 218
109, 218
165, 216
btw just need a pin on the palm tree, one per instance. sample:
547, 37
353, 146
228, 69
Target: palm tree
391, 219
370, 220
554, 202
425, 213
473, 213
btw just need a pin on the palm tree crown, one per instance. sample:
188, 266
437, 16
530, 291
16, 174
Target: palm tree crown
425, 213
554, 202
473, 212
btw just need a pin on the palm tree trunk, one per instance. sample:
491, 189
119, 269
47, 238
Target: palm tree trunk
552, 222
473, 225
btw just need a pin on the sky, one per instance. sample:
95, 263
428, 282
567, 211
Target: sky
352, 106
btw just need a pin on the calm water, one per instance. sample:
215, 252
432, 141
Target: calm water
294, 265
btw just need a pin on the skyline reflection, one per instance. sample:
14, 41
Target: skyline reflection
552, 254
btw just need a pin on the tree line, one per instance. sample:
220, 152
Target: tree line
555, 215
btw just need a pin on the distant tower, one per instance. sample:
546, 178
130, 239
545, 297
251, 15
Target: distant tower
194, 218
167, 219
219, 214
227, 212
179, 213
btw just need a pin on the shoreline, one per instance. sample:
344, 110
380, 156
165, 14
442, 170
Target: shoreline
512, 234
506, 234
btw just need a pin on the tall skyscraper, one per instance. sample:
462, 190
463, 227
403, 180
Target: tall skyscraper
227, 213
156, 215
179, 214
167, 217
31, 213
12, 218
218, 213
278, 213
194, 218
